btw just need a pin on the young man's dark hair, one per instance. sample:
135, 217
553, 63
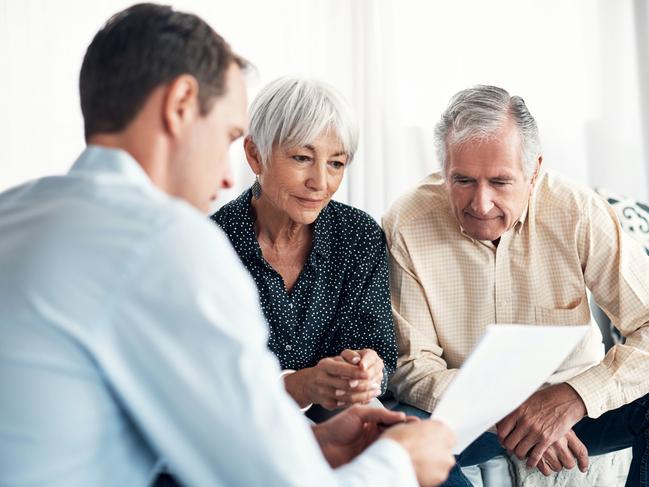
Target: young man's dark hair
141, 48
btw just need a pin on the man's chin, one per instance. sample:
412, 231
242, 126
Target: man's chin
483, 234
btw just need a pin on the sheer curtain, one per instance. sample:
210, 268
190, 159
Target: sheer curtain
581, 65
576, 63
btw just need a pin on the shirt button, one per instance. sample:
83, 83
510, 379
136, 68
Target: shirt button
288, 347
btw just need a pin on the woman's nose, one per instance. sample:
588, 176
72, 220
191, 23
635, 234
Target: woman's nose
318, 177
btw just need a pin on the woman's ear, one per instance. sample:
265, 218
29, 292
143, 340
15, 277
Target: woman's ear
180, 105
252, 155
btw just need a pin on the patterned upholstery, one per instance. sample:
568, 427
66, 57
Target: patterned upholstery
633, 215
634, 218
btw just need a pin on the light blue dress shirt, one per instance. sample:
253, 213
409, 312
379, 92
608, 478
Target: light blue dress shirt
130, 332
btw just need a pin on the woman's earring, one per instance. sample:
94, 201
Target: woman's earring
256, 188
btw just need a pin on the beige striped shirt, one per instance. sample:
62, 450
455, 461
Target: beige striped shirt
446, 287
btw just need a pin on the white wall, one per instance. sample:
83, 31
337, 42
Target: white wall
575, 63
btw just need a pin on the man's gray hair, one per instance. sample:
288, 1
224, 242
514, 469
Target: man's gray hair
478, 113
296, 111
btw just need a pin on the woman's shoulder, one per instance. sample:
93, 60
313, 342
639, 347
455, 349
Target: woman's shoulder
232, 213
350, 220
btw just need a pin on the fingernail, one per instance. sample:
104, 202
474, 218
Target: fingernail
353, 383
374, 385
355, 360
340, 392
340, 403
376, 392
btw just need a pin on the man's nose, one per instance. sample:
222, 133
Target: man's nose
227, 180
482, 201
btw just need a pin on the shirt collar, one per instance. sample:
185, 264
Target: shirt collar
530, 203
248, 244
98, 159
521, 220
322, 232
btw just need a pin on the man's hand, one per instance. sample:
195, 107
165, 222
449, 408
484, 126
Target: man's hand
330, 380
347, 434
548, 415
429, 444
565, 453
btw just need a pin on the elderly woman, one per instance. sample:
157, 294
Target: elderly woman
320, 266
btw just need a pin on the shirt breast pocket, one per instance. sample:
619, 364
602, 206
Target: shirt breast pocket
573, 314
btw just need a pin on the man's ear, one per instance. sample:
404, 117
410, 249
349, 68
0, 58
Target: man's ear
539, 161
180, 104
252, 155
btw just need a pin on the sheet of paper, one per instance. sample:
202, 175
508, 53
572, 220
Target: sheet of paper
507, 365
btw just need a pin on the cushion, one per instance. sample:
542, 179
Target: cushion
608, 470
633, 215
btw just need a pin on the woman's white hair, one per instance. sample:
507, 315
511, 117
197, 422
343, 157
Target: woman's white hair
480, 112
293, 111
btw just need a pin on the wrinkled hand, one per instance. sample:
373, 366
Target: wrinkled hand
347, 434
567, 452
548, 415
429, 444
331, 379
366, 360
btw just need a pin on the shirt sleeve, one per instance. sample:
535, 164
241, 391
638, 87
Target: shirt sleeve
383, 452
184, 350
422, 374
616, 270
365, 319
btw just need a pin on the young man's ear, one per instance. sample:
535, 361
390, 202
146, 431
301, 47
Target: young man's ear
180, 104
252, 155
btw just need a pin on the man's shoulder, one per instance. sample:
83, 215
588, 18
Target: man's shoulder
96, 246
423, 203
556, 195
72, 215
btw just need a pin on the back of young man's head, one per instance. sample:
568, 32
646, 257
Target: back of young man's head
141, 48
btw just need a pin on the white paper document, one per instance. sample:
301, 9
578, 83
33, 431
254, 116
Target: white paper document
509, 363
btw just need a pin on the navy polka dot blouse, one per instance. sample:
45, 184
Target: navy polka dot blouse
341, 298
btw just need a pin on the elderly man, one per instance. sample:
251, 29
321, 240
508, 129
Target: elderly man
129, 330
493, 238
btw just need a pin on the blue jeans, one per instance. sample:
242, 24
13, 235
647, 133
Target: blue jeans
627, 426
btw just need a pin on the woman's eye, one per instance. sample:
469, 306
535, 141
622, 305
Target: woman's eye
299, 158
337, 164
